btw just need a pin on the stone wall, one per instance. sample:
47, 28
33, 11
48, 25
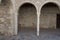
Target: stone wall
48, 17
27, 16
5, 18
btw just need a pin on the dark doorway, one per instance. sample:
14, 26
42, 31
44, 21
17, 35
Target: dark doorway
58, 21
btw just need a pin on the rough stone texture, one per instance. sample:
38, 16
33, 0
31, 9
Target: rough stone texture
38, 4
27, 16
5, 18
30, 34
49, 16
9, 21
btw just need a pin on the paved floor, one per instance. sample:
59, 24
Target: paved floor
30, 34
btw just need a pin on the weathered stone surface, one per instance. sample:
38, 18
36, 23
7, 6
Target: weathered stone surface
27, 17
5, 19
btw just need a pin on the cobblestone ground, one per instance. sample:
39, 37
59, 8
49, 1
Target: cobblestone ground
30, 34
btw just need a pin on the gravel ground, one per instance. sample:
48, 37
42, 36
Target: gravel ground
30, 34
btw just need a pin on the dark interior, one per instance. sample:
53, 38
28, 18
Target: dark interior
58, 21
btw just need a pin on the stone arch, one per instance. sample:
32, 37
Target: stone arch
27, 16
48, 15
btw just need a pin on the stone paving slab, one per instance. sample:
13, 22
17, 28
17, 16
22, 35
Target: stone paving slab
30, 34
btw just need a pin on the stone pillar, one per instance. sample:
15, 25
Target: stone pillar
38, 17
15, 19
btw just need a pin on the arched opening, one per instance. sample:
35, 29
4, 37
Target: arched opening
27, 17
5, 16
49, 12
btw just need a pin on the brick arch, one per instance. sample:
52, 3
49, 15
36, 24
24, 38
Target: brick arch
53, 2
31, 11
48, 14
28, 3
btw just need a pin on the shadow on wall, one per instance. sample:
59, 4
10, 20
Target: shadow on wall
48, 15
27, 15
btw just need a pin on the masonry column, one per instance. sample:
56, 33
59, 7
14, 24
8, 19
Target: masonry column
38, 22
15, 19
